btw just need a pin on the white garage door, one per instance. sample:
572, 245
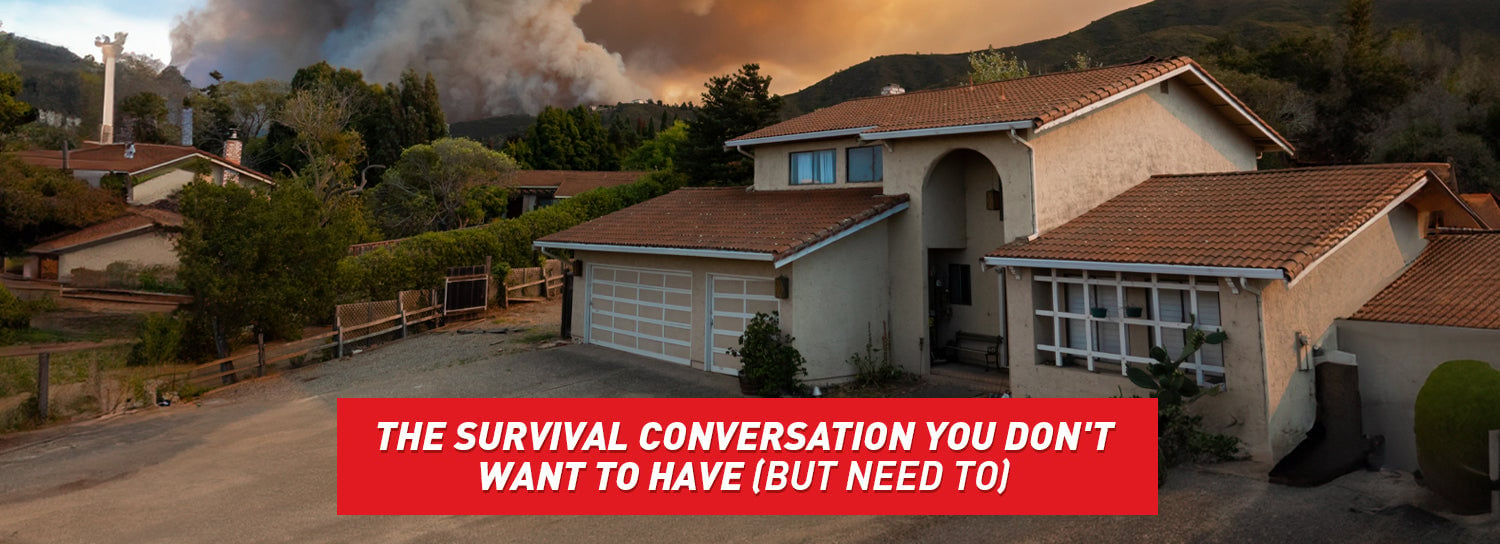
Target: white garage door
642, 311
734, 300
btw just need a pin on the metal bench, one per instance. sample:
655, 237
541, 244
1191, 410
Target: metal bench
977, 346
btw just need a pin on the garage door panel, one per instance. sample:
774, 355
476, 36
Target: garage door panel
735, 300
637, 311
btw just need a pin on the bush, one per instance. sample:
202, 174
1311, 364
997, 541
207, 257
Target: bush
874, 366
767, 359
1180, 435
14, 314
1455, 410
160, 341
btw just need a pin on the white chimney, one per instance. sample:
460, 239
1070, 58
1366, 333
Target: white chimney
187, 127
112, 50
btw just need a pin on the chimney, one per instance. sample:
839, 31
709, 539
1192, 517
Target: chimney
233, 148
111, 52
187, 127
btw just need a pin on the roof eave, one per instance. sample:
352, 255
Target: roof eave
656, 250
901, 207
1144, 268
948, 131
800, 137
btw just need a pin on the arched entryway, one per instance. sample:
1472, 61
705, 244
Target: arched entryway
962, 221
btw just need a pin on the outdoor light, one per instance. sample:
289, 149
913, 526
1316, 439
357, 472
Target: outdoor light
576, 267
992, 200
783, 287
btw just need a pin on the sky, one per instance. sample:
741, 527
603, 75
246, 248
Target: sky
504, 56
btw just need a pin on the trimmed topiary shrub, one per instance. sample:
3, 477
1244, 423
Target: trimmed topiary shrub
1456, 409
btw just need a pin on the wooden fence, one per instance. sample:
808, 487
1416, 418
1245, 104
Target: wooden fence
353, 323
533, 284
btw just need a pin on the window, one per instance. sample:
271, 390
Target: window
1107, 321
958, 285
864, 164
812, 167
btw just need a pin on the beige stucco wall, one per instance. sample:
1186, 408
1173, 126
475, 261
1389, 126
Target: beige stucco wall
773, 168
1394, 360
1085, 162
1333, 289
161, 187
844, 292
1238, 411
154, 247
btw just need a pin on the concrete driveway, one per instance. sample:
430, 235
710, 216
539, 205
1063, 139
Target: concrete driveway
256, 462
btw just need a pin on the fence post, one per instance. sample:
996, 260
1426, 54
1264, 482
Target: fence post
260, 357
338, 327
567, 306
1495, 473
401, 310
43, 377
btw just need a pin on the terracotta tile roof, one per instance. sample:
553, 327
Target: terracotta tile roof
1272, 219
1485, 206
1454, 283
137, 219
111, 158
733, 219
569, 182
1041, 99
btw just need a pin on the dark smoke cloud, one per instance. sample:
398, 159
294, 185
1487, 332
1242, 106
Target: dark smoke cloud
505, 56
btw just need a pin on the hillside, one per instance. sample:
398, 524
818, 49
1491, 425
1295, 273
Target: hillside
55, 79
1160, 28
494, 131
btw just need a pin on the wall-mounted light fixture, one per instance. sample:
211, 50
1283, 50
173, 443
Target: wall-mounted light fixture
992, 200
783, 287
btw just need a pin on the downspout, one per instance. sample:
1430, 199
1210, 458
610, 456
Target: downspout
1031, 158
741, 149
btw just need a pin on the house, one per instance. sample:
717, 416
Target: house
155, 171
1486, 205
1444, 307
144, 237
1272, 258
873, 214
540, 188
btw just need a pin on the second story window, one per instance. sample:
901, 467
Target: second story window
864, 164
813, 167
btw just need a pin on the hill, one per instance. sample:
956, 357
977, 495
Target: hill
55, 79
495, 131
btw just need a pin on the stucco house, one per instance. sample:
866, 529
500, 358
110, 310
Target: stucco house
156, 171
143, 237
874, 214
540, 188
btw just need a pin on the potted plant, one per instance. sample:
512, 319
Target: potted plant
1134, 311
769, 365
1099, 312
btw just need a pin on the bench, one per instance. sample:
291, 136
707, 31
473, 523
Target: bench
976, 346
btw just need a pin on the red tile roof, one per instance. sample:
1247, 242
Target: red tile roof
111, 158
569, 182
138, 219
778, 223
1454, 283
1485, 206
1272, 219
1040, 99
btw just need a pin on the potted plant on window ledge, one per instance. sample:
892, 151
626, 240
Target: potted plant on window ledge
1099, 312
1134, 312
769, 365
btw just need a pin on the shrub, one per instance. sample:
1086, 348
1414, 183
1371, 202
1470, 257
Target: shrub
767, 358
1455, 410
1180, 435
160, 341
874, 366
14, 314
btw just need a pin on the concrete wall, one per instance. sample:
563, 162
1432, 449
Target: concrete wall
149, 248
161, 187
844, 294
1090, 160
1335, 288
1394, 361
1239, 411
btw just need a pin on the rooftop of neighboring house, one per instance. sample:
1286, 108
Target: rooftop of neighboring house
139, 219
1027, 103
1486, 206
1454, 283
570, 183
774, 225
1278, 221
112, 158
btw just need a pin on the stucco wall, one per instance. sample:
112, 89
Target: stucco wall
161, 187
1238, 411
773, 168
1335, 288
1090, 160
1394, 361
844, 296
150, 248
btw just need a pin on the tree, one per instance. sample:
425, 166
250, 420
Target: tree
1081, 61
657, 153
13, 112
320, 117
1367, 86
416, 109
254, 104
440, 186
146, 115
36, 202
991, 65
734, 105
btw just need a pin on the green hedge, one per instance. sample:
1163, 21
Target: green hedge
421, 261
1455, 410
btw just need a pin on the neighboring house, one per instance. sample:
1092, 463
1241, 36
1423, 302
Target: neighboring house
156, 171
1445, 307
1486, 205
540, 188
144, 236
874, 214
1272, 258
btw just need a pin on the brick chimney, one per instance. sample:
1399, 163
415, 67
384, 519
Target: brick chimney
233, 149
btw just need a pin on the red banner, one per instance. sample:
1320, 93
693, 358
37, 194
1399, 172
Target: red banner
747, 456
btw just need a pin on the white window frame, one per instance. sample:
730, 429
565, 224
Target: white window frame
832, 156
1094, 281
